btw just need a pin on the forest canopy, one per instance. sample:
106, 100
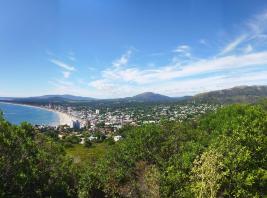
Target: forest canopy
222, 154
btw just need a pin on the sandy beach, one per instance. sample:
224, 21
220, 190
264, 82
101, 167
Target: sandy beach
64, 118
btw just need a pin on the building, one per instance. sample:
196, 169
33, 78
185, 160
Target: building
76, 124
117, 138
97, 111
92, 138
82, 141
87, 124
69, 110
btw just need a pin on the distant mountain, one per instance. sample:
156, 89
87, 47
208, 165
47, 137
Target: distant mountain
6, 98
151, 97
48, 99
240, 94
245, 94
65, 96
143, 97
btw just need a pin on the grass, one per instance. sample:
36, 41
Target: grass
81, 154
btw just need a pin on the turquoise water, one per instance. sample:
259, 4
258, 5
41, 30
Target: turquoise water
17, 113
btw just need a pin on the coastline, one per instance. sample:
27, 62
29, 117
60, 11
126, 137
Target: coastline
63, 118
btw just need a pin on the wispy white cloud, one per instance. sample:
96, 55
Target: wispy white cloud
102, 85
183, 50
203, 42
170, 72
66, 74
258, 24
63, 65
72, 58
173, 75
123, 60
69, 87
248, 49
110, 89
66, 68
186, 79
193, 86
233, 44
239, 62
197, 85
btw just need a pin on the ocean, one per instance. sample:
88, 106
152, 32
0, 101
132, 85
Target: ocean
18, 113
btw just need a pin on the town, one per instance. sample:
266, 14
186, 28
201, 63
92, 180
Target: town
89, 123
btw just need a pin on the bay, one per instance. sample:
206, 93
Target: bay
16, 114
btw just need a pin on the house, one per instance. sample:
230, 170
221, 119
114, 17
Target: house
60, 136
82, 141
117, 138
91, 138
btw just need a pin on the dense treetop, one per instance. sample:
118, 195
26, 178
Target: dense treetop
222, 154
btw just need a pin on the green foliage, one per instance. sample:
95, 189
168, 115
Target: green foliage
87, 143
207, 174
110, 141
243, 144
71, 140
32, 165
82, 155
100, 137
223, 154
52, 134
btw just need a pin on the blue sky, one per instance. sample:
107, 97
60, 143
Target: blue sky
117, 48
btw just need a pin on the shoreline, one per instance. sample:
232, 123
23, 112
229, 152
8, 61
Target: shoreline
63, 118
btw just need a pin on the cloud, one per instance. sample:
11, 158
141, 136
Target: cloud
258, 24
69, 87
187, 75
183, 50
170, 72
184, 74
248, 49
189, 86
114, 90
123, 60
67, 69
102, 85
232, 45
72, 58
66, 74
255, 30
197, 85
242, 61
203, 42
63, 65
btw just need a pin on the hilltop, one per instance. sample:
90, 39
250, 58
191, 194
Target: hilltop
240, 94
243, 94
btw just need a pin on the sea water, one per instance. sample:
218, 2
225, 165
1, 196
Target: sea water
20, 113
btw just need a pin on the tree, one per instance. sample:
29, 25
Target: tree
207, 174
33, 165
87, 143
240, 136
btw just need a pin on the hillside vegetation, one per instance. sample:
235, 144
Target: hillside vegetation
223, 154
240, 94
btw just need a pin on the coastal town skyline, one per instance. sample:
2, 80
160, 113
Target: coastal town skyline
123, 48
